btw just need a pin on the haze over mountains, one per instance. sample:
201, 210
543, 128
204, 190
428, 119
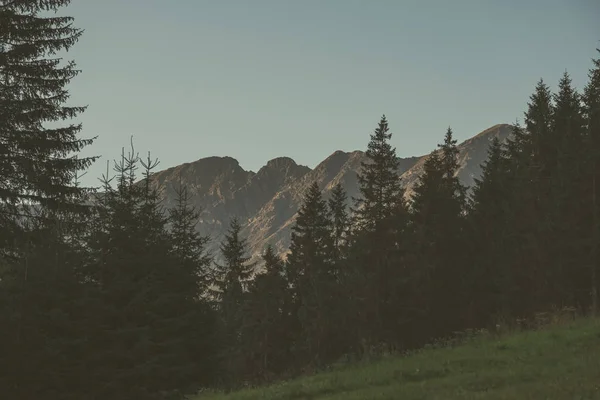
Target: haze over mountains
266, 202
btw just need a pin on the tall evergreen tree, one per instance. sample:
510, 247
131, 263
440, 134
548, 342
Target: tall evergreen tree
230, 285
489, 283
192, 262
538, 123
381, 192
44, 301
37, 165
338, 207
591, 100
533, 161
147, 312
232, 277
189, 247
537, 259
311, 266
438, 219
569, 190
265, 337
379, 226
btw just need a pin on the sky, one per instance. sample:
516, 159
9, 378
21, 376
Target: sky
259, 79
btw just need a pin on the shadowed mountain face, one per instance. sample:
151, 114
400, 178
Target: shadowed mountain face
266, 202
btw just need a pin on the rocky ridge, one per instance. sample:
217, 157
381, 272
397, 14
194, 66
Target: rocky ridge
266, 202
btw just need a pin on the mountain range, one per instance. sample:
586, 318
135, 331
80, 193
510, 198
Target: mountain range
266, 202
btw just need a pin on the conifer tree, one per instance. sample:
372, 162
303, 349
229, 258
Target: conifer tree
533, 158
37, 165
489, 283
43, 315
568, 231
338, 208
264, 331
189, 247
538, 123
381, 192
192, 262
591, 99
450, 153
231, 278
311, 266
438, 219
536, 259
230, 284
147, 312
378, 242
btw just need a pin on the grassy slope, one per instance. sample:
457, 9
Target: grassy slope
561, 362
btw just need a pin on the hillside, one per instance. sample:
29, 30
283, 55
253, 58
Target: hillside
266, 202
560, 362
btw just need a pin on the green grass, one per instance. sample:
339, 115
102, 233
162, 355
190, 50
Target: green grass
559, 362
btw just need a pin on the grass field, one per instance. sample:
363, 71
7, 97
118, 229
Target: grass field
558, 362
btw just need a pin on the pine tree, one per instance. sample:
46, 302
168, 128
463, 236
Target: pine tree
338, 208
381, 192
533, 158
538, 123
450, 153
378, 242
489, 283
189, 246
569, 190
438, 218
44, 307
148, 312
191, 260
264, 332
311, 266
537, 260
230, 284
37, 165
591, 100
231, 278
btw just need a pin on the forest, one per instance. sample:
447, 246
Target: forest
117, 297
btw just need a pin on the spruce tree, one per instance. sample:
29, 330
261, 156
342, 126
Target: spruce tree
533, 158
569, 191
338, 208
192, 262
591, 99
537, 259
44, 312
147, 313
379, 221
489, 284
538, 123
311, 266
231, 278
230, 282
381, 192
265, 337
450, 153
189, 247
438, 218
37, 163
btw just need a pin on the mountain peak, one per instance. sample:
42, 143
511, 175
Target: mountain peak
216, 162
281, 162
494, 130
267, 201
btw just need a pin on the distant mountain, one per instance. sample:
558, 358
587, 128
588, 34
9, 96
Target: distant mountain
267, 201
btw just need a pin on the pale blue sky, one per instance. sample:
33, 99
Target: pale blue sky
258, 79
